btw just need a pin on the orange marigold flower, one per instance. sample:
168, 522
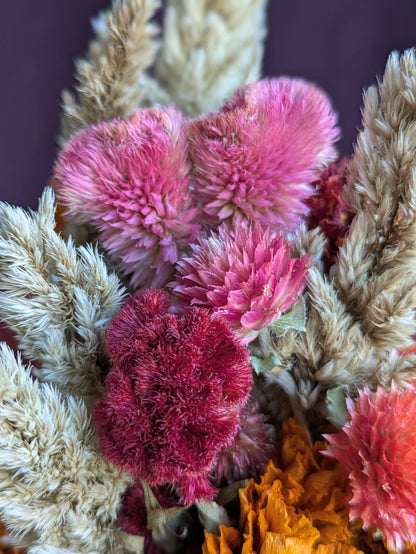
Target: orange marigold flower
4, 548
298, 506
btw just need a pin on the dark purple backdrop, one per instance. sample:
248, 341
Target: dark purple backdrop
339, 45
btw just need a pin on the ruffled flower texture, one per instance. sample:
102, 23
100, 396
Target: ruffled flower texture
130, 181
244, 274
254, 157
377, 450
174, 394
298, 507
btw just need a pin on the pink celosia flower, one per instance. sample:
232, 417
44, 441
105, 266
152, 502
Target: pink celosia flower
129, 180
174, 394
250, 450
254, 157
377, 450
244, 274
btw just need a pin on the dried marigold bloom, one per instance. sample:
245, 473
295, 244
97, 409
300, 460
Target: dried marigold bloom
296, 507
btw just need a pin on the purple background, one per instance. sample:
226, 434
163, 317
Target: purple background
339, 45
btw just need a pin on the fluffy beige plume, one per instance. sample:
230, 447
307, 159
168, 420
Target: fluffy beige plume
365, 314
109, 79
54, 483
375, 274
211, 47
56, 298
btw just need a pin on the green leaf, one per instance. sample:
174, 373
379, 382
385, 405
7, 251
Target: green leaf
337, 406
295, 318
261, 365
212, 515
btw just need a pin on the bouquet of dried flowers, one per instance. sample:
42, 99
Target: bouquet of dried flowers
215, 332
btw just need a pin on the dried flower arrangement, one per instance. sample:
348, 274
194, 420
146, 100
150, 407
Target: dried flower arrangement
225, 294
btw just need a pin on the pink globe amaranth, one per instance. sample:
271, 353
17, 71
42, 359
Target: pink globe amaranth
377, 451
251, 449
243, 273
254, 157
173, 396
130, 181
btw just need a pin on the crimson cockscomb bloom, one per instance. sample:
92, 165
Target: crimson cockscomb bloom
377, 451
243, 273
173, 396
328, 207
254, 157
129, 180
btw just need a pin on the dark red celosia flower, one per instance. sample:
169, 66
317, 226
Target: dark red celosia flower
133, 513
173, 396
328, 208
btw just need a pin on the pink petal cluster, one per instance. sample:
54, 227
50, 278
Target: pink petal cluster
250, 450
377, 450
129, 180
174, 394
255, 156
243, 273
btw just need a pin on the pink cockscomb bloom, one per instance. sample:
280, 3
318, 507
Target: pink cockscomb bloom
377, 450
255, 156
243, 273
174, 394
250, 450
129, 180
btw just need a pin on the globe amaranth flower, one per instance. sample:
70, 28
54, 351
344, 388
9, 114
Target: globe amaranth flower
255, 156
250, 450
174, 394
377, 451
129, 180
243, 273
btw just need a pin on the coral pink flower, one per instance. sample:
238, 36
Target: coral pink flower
254, 157
129, 180
244, 274
377, 450
250, 450
173, 397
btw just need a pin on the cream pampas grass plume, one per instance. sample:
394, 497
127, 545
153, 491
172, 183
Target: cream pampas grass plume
57, 299
110, 77
211, 48
55, 484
